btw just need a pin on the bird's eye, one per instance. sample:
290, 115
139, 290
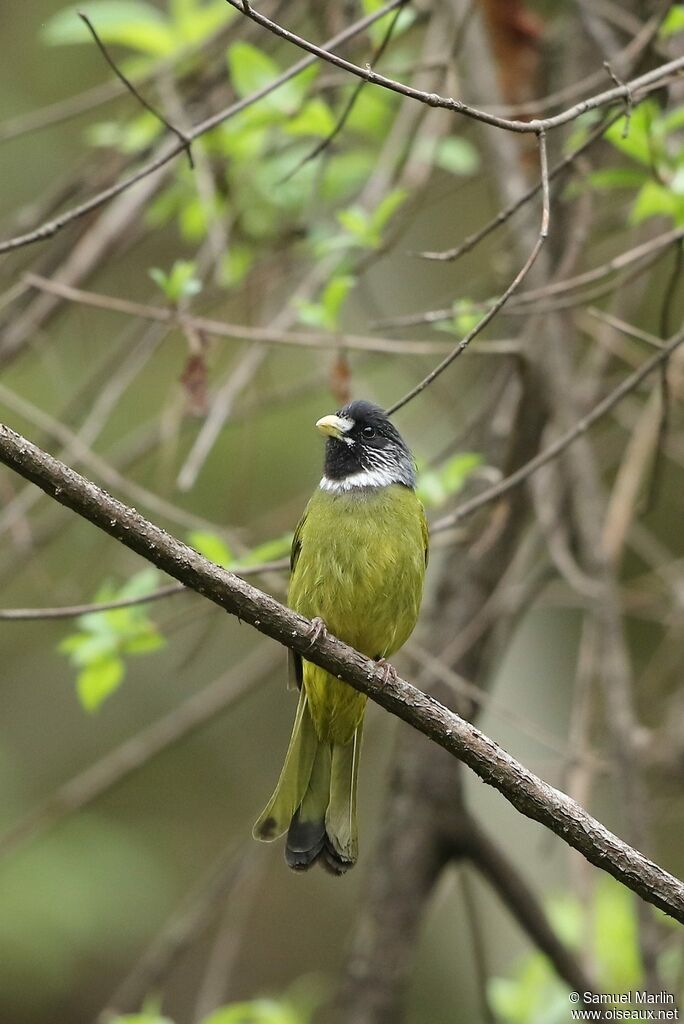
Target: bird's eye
368, 432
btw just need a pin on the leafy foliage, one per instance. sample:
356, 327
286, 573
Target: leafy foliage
674, 22
254, 154
435, 486
99, 649
327, 311
466, 316
365, 228
215, 548
653, 143
179, 283
139, 25
296, 1007
535, 995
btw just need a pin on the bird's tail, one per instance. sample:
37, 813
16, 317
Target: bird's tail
315, 799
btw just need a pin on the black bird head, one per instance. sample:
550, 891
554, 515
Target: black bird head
364, 449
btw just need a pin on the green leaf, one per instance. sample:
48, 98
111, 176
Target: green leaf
145, 643
204, 21
677, 183
180, 282
465, 318
251, 70
638, 142
212, 547
356, 221
94, 648
674, 22
326, 313
142, 1018
259, 1011
386, 209
132, 23
457, 156
312, 313
429, 489
97, 682
334, 296
378, 30
269, 551
315, 118
655, 200
456, 470
346, 174
610, 178
371, 114
194, 21
236, 264
144, 582
616, 937
580, 130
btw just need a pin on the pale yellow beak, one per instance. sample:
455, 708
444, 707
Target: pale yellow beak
334, 426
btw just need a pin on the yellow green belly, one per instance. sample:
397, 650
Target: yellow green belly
360, 568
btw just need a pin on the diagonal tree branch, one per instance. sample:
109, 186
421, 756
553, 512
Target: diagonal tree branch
530, 795
431, 99
562, 442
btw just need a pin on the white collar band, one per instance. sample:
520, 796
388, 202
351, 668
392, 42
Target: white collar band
365, 478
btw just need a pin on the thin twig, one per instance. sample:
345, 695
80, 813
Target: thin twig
644, 251
629, 99
671, 292
505, 295
325, 143
535, 125
561, 443
170, 590
629, 329
237, 332
184, 139
449, 255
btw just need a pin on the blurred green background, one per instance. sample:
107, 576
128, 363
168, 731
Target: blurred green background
81, 901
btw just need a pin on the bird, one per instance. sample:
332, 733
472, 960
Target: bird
358, 562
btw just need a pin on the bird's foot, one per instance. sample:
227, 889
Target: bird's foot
317, 630
389, 672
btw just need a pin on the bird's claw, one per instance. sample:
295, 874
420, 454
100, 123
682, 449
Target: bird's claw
389, 672
317, 630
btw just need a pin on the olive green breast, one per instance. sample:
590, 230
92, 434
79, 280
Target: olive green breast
359, 565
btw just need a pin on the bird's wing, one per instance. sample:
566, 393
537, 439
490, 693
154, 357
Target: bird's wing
294, 661
425, 531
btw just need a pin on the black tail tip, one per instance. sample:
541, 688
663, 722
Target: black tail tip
332, 861
308, 843
305, 840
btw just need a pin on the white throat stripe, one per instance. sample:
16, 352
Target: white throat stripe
364, 478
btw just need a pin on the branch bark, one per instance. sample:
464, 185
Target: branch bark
530, 795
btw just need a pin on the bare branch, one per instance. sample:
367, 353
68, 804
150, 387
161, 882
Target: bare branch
505, 295
184, 140
536, 125
170, 590
525, 791
561, 443
237, 332
654, 247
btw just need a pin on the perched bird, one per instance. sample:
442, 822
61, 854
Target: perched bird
357, 568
